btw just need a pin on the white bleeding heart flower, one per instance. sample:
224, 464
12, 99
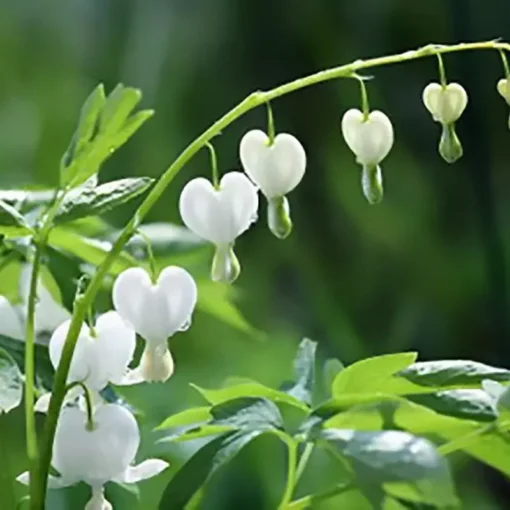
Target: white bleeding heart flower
275, 168
445, 103
369, 137
156, 311
11, 321
219, 215
101, 355
98, 455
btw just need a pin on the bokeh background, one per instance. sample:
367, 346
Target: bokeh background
425, 270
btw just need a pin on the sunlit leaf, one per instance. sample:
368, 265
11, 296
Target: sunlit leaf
251, 389
368, 374
186, 417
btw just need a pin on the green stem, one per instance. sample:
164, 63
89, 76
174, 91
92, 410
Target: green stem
442, 72
39, 240
150, 255
505, 64
292, 448
214, 165
252, 101
464, 441
303, 461
308, 501
365, 105
88, 402
271, 133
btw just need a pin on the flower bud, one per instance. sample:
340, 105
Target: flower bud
275, 168
445, 103
278, 217
225, 265
504, 89
372, 183
369, 137
450, 147
219, 215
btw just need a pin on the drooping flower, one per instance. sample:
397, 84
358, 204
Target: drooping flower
48, 312
276, 168
99, 454
220, 215
503, 88
156, 311
101, 355
446, 103
370, 137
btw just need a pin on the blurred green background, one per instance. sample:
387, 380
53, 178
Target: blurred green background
426, 270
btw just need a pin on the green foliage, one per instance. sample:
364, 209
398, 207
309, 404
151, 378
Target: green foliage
105, 124
11, 383
91, 201
12, 223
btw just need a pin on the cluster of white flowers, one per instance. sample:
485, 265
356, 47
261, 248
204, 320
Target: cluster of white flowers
220, 214
104, 451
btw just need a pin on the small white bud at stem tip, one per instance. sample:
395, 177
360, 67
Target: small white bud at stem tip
225, 265
278, 217
450, 147
372, 183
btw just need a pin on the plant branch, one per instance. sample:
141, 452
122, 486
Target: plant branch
292, 447
252, 101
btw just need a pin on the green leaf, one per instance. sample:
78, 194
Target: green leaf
87, 249
467, 404
120, 103
248, 414
11, 383
331, 369
251, 389
378, 411
186, 417
368, 374
27, 198
83, 202
404, 465
430, 376
304, 372
114, 128
86, 125
12, 223
201, 466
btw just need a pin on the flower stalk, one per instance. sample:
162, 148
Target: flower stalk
39, 480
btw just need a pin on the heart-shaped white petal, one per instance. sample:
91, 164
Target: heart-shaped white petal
276, 169
504, 89
99, 455
10, 321
156, 311
370, 139
446, 104
101, 359
219, 215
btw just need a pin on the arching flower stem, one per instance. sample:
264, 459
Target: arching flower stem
38, 487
